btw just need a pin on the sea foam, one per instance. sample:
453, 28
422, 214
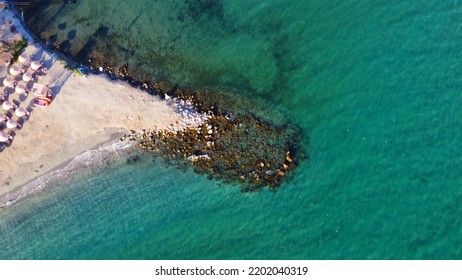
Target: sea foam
84, 163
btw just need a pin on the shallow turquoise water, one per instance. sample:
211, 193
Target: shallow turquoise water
375, 86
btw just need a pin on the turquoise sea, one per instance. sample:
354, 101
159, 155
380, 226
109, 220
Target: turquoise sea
375, 85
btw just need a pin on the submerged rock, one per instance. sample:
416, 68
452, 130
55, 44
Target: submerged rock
225, 136
240, 150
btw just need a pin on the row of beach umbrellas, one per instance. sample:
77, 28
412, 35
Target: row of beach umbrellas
10, 123
12, 83
24, 59
15, 71
4, 137
19, 111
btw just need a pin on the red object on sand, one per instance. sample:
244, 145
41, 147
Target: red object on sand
42, 101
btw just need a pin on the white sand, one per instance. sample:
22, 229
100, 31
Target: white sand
84, 114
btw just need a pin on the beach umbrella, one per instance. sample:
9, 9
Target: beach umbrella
21, 112
4, 137
20, 89
3, 118
35, 65
27, 76
23, 58
8, 82
12, 124
14, 71
7, 105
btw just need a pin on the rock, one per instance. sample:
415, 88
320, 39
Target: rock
235, 142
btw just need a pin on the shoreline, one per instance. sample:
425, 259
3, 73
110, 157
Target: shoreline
86, 114
113, 139
85, 163
192, 124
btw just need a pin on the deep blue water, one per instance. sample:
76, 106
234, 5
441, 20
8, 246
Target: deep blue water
375, 85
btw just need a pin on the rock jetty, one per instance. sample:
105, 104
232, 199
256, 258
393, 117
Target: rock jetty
240, 149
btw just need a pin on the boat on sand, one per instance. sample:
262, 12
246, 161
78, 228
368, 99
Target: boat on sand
42, 101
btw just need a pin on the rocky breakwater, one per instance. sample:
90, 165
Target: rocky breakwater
233, 148
235, 138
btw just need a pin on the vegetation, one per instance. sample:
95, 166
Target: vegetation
68, 66
17, 50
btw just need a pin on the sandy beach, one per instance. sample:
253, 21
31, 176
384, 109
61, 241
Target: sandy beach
85, 113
